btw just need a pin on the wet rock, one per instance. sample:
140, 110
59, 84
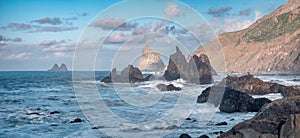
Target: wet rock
259, 103
77, 120
54, 112
221, 124
291, 128
170, 87
185, 136
203, 136
98, 127
129, 74
232, 100
197, 70
188, 118
280, 118
150, 78
255, 86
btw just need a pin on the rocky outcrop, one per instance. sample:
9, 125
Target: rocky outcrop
232, 100
62, 67
270, 45
277, 119
151, 61
255, 86
129, 74
170, 87
197, 70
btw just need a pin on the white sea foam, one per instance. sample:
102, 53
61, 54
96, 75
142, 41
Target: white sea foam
271, 96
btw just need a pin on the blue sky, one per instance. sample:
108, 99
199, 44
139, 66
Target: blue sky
35, 34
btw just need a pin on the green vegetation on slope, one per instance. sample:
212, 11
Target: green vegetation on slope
273, 27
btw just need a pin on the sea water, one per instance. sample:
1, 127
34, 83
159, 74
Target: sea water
42, 104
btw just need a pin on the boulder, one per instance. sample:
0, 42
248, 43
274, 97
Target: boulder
203, 136
197, 70
232, 100
185, 136
170, 87
279, 118
221, 124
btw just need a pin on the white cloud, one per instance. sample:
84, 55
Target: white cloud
59, 54
233, 24
23, 55
173, 10
57, 48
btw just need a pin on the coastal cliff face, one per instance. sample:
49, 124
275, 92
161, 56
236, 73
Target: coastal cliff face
270, 45
151, 61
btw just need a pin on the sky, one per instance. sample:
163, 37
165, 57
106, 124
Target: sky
101, 34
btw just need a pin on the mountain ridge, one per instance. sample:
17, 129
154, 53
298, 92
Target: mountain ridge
270, 45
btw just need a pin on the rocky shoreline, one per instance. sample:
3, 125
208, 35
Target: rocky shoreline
279, 118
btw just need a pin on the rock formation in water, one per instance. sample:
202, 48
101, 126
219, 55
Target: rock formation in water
129, 74
151, 61
170, 87
232, 100
197, 70
280, 118
255, 86
270, 45
62, 67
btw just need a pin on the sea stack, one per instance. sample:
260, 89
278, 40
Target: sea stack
197, 70
62, 67
151, 61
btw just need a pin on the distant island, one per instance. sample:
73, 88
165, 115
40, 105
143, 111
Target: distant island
62, 67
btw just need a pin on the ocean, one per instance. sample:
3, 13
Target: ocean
43, 104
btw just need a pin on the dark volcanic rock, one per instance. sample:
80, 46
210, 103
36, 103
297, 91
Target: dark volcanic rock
54, 112
255, 86
259, 103
185, 136
203, 136
129, 74
197, 70
291, 128
280, 118
77, 120
170, 87
232, 100
221, 124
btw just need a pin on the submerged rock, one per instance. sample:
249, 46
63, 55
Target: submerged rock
280, 118
170, 87
77, 120
232, 100
221, 124
197, 70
